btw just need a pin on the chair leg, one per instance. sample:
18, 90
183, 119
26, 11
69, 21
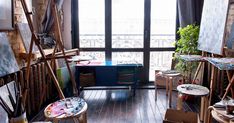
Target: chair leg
156, 92
167, 85
179, 102
170, 88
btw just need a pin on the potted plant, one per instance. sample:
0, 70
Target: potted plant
187, 45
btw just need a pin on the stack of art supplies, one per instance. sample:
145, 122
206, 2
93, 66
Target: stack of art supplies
11, 100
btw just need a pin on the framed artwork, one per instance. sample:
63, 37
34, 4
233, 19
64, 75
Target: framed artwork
6, 15
212, 29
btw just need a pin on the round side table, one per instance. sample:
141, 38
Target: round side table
69, 108
194, 90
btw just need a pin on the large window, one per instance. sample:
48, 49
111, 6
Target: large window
162, 34
92, 23
141, 31
127, 23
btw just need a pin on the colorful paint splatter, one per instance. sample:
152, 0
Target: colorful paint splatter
222, 63
65, 108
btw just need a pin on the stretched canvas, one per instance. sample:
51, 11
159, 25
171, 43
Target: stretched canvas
8, 62
211, 37
26, 35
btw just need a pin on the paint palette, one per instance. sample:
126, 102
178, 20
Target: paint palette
65, 108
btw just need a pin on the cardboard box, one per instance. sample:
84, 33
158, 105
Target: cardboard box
178, 116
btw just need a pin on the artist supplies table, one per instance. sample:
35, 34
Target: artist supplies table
194, 90
108, 73
69, 108
226, 64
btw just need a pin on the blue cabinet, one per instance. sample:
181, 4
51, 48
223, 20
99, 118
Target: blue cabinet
109, 74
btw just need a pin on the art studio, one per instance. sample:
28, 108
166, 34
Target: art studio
116, 61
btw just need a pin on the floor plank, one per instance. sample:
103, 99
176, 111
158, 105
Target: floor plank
119, 106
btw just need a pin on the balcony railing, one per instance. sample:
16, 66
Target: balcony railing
126, 40
159, 60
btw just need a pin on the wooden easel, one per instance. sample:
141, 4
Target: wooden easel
59, 45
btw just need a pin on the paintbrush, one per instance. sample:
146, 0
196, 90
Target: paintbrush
10, 96
17, 105
3, 103
5, 108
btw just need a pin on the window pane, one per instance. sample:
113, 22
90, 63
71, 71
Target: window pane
127, 23
163, 20
92, 23
159, 61
126, 57
100, 56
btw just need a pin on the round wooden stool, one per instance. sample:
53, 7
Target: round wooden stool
169, 75
194, 90
69, 108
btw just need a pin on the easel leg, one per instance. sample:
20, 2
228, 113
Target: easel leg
228, 87
28, 71
197, 71
212, 83
57, 22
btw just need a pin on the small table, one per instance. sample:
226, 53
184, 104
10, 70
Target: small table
194, 90
69, 108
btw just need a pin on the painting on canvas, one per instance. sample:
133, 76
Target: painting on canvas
8, 62
211, 36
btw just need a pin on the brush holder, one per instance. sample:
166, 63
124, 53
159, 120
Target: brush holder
20, 119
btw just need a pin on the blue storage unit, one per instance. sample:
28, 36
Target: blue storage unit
110, 74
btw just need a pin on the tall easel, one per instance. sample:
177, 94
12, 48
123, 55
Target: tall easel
46, 59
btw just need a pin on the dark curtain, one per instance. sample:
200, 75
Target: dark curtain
47, 41
189, 12
48, 19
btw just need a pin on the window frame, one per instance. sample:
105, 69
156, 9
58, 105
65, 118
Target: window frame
108, 33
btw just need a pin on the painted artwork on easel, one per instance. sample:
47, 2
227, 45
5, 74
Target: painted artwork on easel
211, 37
8, 63
26, 35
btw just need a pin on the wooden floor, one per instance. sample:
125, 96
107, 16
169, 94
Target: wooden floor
118, 106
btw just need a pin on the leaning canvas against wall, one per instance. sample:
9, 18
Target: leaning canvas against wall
8, 62
26, 36
211, 37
